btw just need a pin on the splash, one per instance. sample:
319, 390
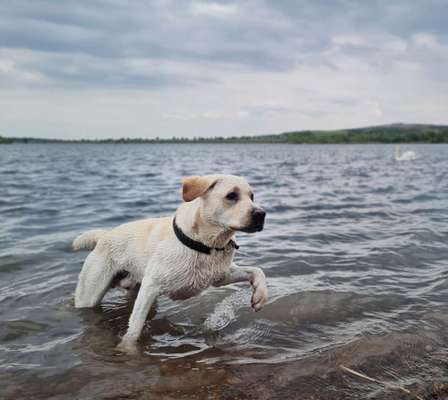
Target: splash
225, 311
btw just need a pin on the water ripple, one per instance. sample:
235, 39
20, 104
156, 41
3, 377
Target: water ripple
355, 250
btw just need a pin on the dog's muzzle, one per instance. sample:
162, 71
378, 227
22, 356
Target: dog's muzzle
257, 221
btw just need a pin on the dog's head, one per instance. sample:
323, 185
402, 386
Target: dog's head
226, 200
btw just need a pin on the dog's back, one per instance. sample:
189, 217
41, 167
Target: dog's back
127, 246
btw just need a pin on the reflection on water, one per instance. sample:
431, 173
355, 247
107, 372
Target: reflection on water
355, 251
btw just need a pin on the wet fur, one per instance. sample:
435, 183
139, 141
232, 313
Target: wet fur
151, 255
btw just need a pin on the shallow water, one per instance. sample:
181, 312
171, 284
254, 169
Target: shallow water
355, 250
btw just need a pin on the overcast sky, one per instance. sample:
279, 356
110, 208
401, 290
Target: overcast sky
96, 69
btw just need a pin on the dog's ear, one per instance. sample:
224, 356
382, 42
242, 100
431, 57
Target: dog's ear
196, 186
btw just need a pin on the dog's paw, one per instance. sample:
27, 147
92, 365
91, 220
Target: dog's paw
129, 347
259, 297
260, 294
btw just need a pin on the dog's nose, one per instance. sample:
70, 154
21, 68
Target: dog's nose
258, 215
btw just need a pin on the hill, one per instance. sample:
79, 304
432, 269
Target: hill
5, 140
392, 133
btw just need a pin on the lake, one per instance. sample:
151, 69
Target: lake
355, 250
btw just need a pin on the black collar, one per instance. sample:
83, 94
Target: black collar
198, 246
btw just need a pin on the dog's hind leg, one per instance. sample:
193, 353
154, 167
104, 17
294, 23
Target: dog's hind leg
94, 280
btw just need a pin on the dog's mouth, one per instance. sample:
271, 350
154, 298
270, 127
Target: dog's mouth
256, 222
252, 228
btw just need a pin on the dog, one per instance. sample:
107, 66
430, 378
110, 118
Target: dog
178, 256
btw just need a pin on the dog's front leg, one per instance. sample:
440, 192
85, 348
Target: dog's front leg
147, 294
253, 275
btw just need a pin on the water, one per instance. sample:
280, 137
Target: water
354, 249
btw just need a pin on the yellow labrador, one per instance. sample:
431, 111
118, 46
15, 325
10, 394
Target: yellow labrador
177, 256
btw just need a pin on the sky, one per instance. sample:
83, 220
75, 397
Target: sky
120, 68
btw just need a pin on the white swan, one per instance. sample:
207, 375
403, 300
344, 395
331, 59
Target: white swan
406, 156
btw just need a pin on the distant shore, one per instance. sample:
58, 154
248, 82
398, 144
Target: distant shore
393, 133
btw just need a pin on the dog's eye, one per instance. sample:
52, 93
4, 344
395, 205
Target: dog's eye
232, 196
252, 196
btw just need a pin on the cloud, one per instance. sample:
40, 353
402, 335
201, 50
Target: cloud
216, 10
220, 67
425, 40
275, 36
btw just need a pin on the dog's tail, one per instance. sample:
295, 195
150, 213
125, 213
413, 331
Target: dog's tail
88, 240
